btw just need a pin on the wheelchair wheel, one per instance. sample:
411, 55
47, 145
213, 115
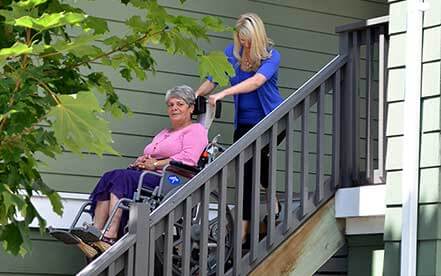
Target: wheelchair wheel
195, 231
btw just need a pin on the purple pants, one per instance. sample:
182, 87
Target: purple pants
123, 184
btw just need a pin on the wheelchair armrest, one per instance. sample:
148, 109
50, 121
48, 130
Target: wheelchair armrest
182, 169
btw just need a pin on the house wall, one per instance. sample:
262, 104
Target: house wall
365, 255
303, 31
429, 211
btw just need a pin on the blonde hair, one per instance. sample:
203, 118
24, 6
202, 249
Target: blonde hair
250, 26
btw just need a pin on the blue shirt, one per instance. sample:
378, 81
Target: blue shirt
252, 107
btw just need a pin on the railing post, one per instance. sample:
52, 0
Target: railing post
139, 223
346, 112
351, 38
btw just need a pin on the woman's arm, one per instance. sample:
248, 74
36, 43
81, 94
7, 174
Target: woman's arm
245, 86
267, 69
205, 88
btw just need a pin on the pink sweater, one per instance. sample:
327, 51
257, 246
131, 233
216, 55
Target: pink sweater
185, 145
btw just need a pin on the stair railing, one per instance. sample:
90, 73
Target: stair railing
364, 101
305, 172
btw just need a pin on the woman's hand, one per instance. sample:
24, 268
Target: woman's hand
216, 97
138, 161
147, 164
144, 162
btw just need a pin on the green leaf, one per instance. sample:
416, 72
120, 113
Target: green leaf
17, 49
8, 15
126, 74
55, 200
79, 46
11, 200
49, 21
136, 23
53, 196
12, 239
215, 24
216, 65
26, 241
115, 110
40, 48
30, 3
142, 4
99, 25
78, 126
7, 114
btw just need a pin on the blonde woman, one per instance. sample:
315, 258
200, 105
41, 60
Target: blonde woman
254, 88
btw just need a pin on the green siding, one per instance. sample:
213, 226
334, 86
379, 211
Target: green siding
429, 218
365, 255
304, 34
48, 257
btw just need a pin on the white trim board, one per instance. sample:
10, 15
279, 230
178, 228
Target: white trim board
363, 208
360, 201
71, 202
365, 225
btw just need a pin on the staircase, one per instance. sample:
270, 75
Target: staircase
338, 118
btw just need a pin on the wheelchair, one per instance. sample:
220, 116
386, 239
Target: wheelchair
173, 176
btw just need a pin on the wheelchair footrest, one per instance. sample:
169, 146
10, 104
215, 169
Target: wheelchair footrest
64, 236
88, 234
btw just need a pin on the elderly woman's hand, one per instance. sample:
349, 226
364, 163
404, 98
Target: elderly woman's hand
138, 161
147, 164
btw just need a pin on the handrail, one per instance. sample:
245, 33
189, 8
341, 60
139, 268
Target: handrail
99, 265
233, 151
362, 24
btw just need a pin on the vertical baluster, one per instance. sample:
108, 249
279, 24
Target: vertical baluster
369, 107
203, 243
187, 237
221, 230
238, 214
336, 112
319, 185
356, 107
305, 159
271, 193
151, 257
168, 244
128, 269
255, 201
138, 223
111, 269
382, 84
289, 181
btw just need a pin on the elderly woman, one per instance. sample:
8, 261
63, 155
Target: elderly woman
184, 141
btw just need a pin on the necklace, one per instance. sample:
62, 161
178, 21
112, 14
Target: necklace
246, 63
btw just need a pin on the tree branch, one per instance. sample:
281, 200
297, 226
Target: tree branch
118, 48
46, 87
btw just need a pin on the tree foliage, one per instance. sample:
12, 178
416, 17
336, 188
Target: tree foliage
48, 89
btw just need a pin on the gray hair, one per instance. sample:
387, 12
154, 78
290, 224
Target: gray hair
184, 92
